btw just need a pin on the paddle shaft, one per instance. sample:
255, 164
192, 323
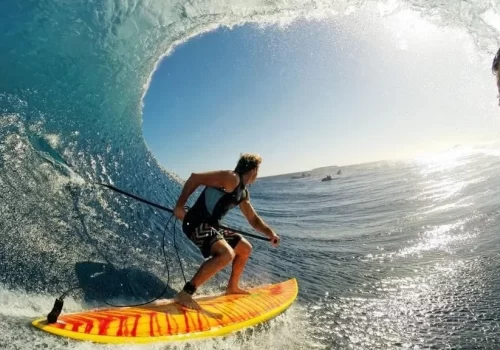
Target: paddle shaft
161, 207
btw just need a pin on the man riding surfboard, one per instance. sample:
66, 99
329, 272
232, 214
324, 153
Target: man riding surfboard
224, 190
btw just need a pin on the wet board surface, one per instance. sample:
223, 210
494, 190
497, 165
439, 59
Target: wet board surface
166, 320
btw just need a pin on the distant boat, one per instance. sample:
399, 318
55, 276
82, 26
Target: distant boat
327, 178
301, 176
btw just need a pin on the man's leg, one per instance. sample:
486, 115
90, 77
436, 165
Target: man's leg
242, 250
222, 254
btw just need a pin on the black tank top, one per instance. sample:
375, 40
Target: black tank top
213, 204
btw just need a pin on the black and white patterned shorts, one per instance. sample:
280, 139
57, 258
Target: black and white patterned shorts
205, 235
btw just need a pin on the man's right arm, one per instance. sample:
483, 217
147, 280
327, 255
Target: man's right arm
189, 187
220, 179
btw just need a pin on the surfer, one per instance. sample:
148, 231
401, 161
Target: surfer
494, 69
224, 190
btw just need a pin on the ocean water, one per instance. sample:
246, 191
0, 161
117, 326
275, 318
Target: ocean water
395, 254
387, 255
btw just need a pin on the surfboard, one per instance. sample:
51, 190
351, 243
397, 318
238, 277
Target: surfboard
165, 320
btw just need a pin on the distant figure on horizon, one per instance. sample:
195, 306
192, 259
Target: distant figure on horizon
224, 190
327, 178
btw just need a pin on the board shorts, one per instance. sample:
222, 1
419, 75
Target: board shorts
205, 235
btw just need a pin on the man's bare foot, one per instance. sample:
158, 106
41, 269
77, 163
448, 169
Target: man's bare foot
186, 300
236, 290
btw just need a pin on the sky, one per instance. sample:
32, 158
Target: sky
317, 93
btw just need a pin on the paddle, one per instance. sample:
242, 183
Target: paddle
113, 188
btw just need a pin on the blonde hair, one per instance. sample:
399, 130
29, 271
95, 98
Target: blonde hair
247, 162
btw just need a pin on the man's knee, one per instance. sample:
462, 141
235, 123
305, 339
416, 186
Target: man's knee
244, 247
223, 251
228, 254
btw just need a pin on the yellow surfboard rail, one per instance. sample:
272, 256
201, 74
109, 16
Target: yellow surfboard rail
220, 315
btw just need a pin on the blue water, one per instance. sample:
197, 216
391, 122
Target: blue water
396, 254
387, 255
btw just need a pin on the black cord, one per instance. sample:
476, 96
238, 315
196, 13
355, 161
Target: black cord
177, 251
52, 317
166, 266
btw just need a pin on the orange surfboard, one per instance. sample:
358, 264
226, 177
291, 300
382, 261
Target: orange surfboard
166, 320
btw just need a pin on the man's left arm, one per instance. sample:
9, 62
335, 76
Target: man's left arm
257, 223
